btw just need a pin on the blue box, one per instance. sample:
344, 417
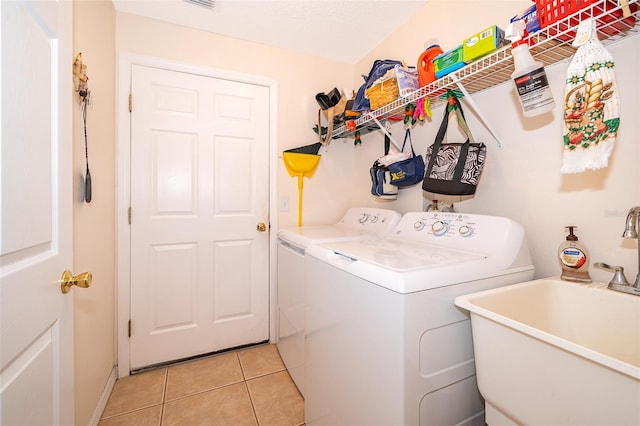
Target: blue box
448, 62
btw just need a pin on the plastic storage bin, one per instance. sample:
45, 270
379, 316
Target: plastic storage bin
400, 82
610, 23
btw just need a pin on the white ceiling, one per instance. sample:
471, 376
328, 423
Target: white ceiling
343, 30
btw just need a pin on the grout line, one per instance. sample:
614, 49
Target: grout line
266, 374
253, 407
166, 384
164, 395
204, 391
124, 413
244, 376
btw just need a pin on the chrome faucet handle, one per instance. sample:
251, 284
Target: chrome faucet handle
618, 277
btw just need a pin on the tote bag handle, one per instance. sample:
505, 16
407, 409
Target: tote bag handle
407, 134
464, 149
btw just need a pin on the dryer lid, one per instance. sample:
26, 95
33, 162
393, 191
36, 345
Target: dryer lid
304, 236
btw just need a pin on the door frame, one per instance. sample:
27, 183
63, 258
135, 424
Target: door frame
123, 157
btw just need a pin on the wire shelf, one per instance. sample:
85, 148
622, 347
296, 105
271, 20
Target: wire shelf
550, 45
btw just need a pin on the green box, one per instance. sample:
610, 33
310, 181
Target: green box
482, 43
448, 61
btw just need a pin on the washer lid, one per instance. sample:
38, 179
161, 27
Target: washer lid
401, 255
404, 266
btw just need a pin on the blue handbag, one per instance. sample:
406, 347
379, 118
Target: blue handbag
410, 171
381, 187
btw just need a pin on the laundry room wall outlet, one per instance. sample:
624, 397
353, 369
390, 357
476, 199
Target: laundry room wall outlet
284, 204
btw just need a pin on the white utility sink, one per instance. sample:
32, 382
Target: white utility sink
552, 352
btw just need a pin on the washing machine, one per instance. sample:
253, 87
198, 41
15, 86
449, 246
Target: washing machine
356, 224
384, 342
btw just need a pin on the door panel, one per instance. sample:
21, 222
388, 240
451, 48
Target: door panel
199, 186
175, 305
174, 162
232, 294
233, 176
36, 331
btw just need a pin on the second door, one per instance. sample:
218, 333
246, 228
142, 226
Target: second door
199, 197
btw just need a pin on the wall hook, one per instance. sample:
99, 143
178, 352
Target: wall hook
80, 81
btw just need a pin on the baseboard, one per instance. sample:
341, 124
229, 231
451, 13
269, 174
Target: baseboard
104, 398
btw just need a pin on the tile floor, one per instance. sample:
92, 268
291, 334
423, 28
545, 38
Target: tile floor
246, 387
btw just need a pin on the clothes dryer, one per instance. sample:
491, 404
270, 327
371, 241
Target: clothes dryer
356, 224
384, 342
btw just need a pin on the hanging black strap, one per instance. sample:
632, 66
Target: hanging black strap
87, 177
387, 144
407, 135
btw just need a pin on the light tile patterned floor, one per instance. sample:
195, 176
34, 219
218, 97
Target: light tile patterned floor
246, 387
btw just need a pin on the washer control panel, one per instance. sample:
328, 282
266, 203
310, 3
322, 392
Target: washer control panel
465, 231
445, 224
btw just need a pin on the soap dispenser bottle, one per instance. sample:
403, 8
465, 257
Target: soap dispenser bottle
574, 259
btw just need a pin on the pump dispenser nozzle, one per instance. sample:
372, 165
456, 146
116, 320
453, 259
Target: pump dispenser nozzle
571, 236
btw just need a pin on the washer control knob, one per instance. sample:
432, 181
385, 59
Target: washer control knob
465, 230
439, 228
363, 218
418, 226
374, 218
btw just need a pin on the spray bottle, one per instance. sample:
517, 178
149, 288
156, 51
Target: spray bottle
529, 76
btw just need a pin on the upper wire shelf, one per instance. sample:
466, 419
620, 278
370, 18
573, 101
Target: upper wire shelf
550, 45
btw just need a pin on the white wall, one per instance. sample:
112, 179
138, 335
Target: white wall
523, 180
299, 78
94, 223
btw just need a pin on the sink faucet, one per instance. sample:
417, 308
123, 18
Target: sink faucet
631, 231
619, 281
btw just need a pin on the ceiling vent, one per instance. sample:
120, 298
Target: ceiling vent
208, 4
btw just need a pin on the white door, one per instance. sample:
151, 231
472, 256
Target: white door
36, 331
199, 197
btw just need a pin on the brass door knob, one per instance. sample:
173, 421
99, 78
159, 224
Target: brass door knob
261, 227
67, 280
